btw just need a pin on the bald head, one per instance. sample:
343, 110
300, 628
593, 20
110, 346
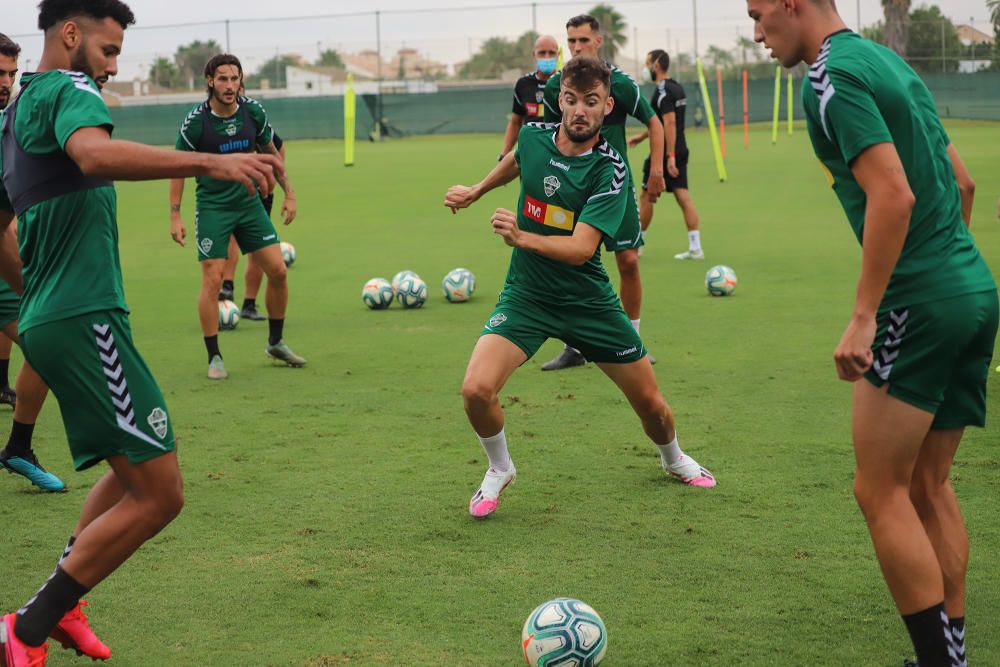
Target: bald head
546, 46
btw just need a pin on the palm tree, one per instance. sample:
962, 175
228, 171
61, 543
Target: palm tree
613, 29
994, 7
745, 44
897, 24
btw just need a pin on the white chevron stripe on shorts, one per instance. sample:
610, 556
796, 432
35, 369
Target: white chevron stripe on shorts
887, 354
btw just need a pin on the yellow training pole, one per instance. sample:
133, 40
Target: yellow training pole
559, 63
350, 115
777, 104
791, 102
720, 164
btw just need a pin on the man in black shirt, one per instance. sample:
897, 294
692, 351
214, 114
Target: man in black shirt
529, 91
670, 103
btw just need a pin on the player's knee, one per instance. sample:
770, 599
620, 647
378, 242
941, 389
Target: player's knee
278, 274
476, 393
651, 406
628, 264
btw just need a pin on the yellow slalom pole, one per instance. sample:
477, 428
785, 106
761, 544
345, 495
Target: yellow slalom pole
777, 104
559, 63
719, 162
791, 102
350, 115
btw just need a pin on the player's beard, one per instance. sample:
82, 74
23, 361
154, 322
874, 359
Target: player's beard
220, 97
78, 63
583, 137
4, 97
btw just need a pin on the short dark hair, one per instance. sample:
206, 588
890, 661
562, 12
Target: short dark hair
9, 47
661, 58
51, 12
581, 19
582, 73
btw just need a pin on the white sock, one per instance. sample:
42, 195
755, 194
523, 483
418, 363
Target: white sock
670, 453
495, 447
635, 325
694, 241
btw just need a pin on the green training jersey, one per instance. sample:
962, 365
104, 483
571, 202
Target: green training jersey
628, 102
67, 230
557, 193
862, 94
243, 132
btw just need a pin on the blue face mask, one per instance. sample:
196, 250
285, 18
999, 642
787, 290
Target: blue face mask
546, 65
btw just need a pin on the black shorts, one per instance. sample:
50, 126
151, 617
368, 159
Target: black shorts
679, 183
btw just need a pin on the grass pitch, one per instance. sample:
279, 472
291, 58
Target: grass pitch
326, 519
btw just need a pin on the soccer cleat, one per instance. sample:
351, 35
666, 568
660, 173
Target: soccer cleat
74, 633
217, 369
568, 358
27, 466
485, 500
8, 396
252, 314
688, 471
690, 254
225, 294
15, 652
652, 359
282, 352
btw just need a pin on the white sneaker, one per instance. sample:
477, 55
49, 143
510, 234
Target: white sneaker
688, 471
485, 500
690, 254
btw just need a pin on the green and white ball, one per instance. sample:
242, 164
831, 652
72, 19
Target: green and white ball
412, 292
458, 285
229, 315
398, 278
288, 253
720, 280
564, 633
377, 294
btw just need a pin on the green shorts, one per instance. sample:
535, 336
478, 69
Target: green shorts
629, 235
10, 304
250, 224
110, 403
936, 356
602, 333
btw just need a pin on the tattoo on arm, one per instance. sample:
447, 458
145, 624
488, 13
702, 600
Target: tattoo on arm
175, 208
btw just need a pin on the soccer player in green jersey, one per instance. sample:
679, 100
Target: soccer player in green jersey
574, 191
18, 456
919, 343
583, 33
58, 164
228, 123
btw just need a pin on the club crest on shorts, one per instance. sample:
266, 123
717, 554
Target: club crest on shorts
551, 184
497, 320
158, 422
206, 245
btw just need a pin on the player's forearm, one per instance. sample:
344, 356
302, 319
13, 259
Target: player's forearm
573, 250
655, 143
502, 174
510, 136
966, 186
670, 133
176, 194
129, 161
887, 220
642, 136
281, 177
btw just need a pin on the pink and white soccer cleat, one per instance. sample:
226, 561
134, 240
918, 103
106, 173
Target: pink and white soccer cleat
688, 471
485, 500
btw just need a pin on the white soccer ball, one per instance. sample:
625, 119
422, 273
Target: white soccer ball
720, 280
458, 285
229, 315
377, 294
562, 632
412, 292
398, 278
288, 253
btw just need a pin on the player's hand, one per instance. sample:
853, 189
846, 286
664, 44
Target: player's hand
505, 224
635, 140
289, 209
177, 231
460, 196
253, 170
672, 167
853, 355
655, 186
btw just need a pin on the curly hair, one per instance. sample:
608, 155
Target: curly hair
582, 73
51, 12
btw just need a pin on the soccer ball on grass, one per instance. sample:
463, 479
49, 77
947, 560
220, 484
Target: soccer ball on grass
564, 632
458, 285
229, 315
377, 294
288, 253
412, 292
720, 280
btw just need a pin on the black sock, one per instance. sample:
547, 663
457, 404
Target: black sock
249, 304
4, 373
68, 549
19, 442
228, 285
275, 330
930, 634
57, 596
212, 345
958, 640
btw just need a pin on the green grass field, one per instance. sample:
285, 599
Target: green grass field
326, 519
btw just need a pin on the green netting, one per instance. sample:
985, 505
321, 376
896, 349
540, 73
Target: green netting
486, 109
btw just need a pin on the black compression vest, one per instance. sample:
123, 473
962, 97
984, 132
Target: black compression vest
213, 141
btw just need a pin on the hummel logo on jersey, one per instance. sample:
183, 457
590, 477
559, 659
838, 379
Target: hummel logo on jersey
551, 184
497, 320
558, 165
158, 422
548, 214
